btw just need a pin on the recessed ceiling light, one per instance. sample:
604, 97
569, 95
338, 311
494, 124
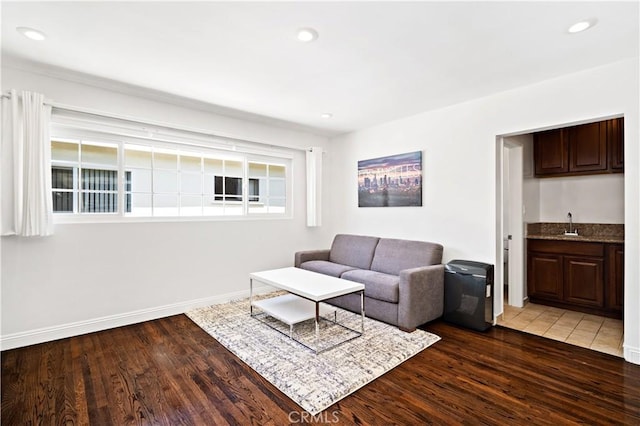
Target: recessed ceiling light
582, 25
32, 34
326, 115
307, 34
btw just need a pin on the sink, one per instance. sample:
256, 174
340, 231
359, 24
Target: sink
572, 234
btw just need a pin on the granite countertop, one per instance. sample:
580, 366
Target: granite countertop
587, 232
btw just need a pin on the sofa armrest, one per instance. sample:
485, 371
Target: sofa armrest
305, 256
421, 296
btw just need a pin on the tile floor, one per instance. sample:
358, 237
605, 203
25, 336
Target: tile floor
589, 331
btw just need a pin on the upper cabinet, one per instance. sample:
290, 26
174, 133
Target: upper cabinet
588, 147
585, 149
551, 152
615, 138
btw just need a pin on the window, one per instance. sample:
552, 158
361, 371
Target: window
84, 177
267, 188
123, 178
231, 188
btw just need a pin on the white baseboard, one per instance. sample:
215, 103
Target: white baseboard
632, 355
47, 334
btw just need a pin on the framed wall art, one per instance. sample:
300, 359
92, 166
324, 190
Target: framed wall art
394, 181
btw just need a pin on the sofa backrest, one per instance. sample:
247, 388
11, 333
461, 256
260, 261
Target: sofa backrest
393, 255
353, 250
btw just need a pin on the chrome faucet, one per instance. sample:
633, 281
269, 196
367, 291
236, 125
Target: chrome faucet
571, 230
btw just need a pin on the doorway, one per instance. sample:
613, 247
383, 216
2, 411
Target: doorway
523, 198
510, 276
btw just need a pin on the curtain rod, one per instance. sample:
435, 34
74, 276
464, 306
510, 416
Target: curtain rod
7, 95
232, 139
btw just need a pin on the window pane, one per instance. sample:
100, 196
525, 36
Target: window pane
64, 151
218, 186
262, 199
277, 188
62, 201
233, 168
209, 181
162, 160
277, 171
190, 205
99, 154
257, 208
230, 187
165, 205
100, 180
137, 156
233, 209
191, 183
165, 181
254, 189
216, 209
98, 202
213, 165
277, 205
62, 177
140, 204
257, 170
140, 180
233, 186
190, 163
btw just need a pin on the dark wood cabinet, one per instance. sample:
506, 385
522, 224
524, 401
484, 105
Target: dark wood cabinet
545, 276
588, 147
584, 280
551, 152
578, 150
615, 138
582, 276
615, 293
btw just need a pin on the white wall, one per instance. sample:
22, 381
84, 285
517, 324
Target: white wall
590, 199
459, 169
530, 184
531, 199
91, 276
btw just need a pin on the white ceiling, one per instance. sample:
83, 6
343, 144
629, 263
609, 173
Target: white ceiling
373, 62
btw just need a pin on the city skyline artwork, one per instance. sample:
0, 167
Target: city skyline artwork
393, 181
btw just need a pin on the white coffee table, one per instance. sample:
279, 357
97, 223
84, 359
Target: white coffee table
307, 290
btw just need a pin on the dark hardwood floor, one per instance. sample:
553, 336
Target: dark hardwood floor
170, 372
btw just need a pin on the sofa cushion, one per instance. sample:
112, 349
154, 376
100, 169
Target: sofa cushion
353, 250
393, 255
376, 284
327, 268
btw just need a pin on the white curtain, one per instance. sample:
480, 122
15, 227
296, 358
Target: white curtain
25, 156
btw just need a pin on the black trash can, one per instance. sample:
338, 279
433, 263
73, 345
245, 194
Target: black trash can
468, 294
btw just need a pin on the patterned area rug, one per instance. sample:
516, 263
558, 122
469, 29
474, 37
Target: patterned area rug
314, 382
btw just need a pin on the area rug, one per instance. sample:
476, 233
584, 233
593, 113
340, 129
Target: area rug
314, 382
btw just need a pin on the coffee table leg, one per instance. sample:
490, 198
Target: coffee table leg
362, 308
251, 295
317, 326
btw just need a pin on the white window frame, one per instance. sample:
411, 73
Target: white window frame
282, 158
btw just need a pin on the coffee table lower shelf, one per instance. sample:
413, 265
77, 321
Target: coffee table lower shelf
291, 310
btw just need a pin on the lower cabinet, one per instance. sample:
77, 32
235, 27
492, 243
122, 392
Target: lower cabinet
615, 293
582, 276
584, 281
545, 276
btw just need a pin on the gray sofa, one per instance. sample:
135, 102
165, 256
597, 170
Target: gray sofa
404, 280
